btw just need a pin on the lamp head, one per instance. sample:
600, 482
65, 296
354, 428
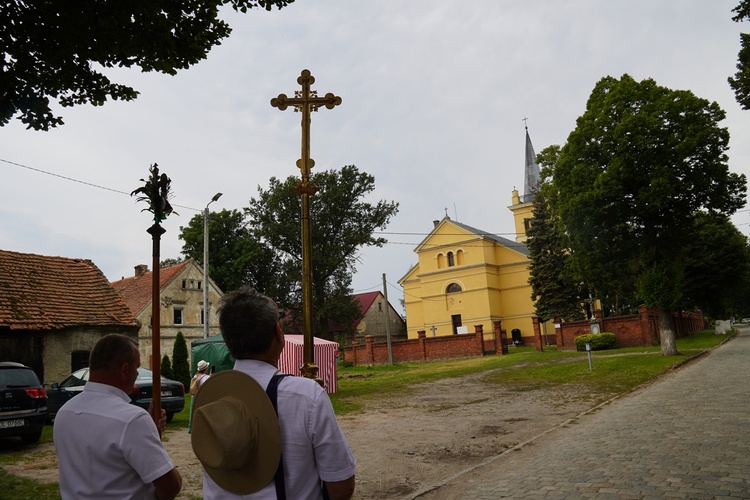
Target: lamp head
216, 196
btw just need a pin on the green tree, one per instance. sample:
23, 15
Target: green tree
180, 365
717, 266
740, 83
342, 223
53, 50
641, 162
166, 367
236, 256
170, 262
554, 293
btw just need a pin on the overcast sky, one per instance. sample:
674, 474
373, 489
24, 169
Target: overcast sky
434, 96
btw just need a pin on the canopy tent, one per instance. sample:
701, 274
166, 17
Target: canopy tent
214, 350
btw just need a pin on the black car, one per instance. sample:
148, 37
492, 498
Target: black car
23, 402
172, 392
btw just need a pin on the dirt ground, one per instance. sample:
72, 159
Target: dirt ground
405, 443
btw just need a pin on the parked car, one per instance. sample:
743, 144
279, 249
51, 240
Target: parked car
172, 392
23, 402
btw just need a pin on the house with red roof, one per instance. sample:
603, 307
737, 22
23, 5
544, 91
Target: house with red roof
376, 313
53, 310
180, 303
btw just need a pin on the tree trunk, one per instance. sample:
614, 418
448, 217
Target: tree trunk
667, 333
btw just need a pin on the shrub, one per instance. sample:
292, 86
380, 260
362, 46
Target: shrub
180, 366
598, 341
166, 367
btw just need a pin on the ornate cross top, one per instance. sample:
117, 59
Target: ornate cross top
306, 101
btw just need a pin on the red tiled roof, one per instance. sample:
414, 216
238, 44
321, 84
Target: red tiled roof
39, 292
137, 291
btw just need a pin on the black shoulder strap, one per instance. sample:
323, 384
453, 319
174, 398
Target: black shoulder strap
278, 478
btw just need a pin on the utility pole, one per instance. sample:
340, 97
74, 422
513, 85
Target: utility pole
206, 305
387, 321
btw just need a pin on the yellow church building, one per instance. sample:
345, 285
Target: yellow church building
466, 277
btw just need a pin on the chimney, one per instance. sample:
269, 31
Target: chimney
140, 270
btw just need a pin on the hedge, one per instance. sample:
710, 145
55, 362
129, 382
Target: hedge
598, 341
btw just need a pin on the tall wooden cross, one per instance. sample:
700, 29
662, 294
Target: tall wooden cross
306, 101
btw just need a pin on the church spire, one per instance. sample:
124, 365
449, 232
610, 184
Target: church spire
531, 173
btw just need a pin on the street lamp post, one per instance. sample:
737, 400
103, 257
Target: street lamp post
206, 306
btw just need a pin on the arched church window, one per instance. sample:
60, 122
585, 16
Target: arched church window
451, 260
453, 288
440, 261
460, 258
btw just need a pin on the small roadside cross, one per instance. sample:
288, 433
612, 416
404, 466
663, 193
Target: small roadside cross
306, 101
433, 329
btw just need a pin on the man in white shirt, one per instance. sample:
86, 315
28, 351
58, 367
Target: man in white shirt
106, 446
314, 451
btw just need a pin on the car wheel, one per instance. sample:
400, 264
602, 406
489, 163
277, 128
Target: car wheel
31, 438
170, 416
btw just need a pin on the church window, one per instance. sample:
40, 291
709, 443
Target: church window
451, 261
460, 258
453, 288
440, 261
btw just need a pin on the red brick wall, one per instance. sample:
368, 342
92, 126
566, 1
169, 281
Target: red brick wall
422, 348
631, 331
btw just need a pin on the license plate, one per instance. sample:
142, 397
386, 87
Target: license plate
7, 424
166, 394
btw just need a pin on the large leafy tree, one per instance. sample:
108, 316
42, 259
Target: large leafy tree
57, 50
236, 256
342, 223
642, 161
740, 82
717, 266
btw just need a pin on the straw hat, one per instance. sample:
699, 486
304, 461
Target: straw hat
202, 365
235, 432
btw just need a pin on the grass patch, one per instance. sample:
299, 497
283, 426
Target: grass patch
20, 488
615, 370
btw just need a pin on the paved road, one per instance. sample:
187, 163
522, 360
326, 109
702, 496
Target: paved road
685, 436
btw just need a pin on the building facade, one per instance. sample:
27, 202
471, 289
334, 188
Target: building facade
180, 302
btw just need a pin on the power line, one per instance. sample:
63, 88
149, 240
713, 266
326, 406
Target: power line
97, 186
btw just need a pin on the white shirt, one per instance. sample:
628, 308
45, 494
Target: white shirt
107, 447
313, 447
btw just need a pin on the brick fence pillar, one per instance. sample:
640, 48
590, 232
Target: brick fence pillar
370, 348
479, 335
421, 336
500, 347
537, 334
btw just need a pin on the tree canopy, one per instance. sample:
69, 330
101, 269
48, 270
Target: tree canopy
342, 223
262, 246
740, 82
641, 163
236, 256
58, 50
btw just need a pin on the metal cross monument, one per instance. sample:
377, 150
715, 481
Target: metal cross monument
306, 101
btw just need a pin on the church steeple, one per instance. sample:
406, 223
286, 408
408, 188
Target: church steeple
521, 206
531, 173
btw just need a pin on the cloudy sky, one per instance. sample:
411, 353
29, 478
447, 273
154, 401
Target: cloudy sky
434, 96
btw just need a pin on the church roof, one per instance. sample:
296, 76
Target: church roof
513, 245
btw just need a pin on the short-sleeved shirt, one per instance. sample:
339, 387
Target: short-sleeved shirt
107, 447
313, 447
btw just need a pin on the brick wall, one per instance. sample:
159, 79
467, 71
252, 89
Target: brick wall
425, 349
635, 330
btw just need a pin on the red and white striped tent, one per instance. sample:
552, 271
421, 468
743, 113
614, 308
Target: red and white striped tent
325, 352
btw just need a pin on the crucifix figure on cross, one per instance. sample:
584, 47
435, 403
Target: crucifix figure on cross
306, 101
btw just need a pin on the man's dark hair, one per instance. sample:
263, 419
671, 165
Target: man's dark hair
248, 322
111, 351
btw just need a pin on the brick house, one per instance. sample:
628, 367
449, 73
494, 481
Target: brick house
181, 305
53, 310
